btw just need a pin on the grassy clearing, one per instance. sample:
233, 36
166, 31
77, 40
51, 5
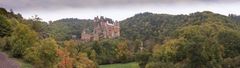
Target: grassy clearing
124, 65
23, 64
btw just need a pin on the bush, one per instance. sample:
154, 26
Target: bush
44, 54
231, 41
22, 38
2, 43
72, 56
231, 62
5, 27
142, 58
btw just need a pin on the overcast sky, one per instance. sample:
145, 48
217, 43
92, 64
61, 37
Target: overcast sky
115, 9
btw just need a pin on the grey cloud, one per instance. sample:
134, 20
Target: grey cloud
56, 4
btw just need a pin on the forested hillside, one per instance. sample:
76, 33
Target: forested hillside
197, 40
63, 29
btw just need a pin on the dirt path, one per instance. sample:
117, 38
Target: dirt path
6, 62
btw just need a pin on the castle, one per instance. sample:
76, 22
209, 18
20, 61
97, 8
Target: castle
102, 28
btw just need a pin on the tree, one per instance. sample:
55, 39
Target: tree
44, 54
202, 49
22, 38
193, 46
82, 61
5, 27
142, 58
65, 60
105, 50
39, 26
230, 39
123, 52
71, 57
